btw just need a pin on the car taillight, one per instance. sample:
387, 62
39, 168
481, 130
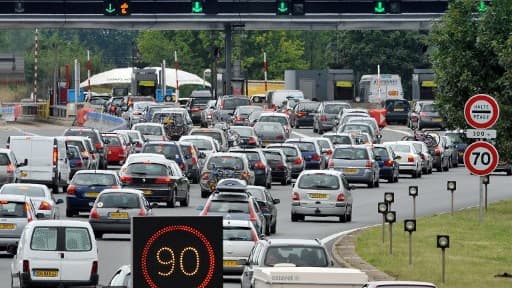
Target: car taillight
163, 180
71, 190
78, 163
27, 209
26, 266
280, 165
10, 168
126, 179
298, 161
238, 118
423, 114
142, 212
222, 104
85, 154
295, 196
55, 155
260, 165
255, 237
315, 157
194, 160
252, 214
195, 109
138, 145
437, 151
98, 146
329, 152
245, 176
369, 164
252, 124
323, 118
388, 163
422, 156
94, 214
331, 164
252, 140
94, 268
182, 166
116, 187
410, 158
279, 137
45, 206
204, 212
205, 176
301, 114
340, 198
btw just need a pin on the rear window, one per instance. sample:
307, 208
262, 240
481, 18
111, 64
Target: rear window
246, 110
288, 151
304, 146
232, 103
251, 156
229, 207
225, 162
4, 159
44, 239
201, 144
146, 169
89, 179
323, 144
355, 127
257, 193
86, 133
215, 135
169, 151
77, 239
350, 154
237, 234
428, 108
202, 101
12, 209
266, 127
149, 130
417, 147
186, 150
334, 108
273, 156
401, 148
23, 190
308, 107
381, 151
119, 200
77, 143
339, 139
398, 106
300, 256
74, 153
113, 140
319, 181
278, 119
244, 132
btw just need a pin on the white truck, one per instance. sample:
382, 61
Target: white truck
281, 276
47, 160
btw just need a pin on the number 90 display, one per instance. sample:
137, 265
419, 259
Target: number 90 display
177, 252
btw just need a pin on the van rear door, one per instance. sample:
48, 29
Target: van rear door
39, 152
79, 253
44, 257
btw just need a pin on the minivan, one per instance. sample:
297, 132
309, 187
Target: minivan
52, 253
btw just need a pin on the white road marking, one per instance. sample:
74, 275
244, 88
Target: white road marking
398, 131
301, 135
342, 233
24, 132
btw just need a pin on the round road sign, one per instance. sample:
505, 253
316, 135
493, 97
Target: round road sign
481, 158
481, 111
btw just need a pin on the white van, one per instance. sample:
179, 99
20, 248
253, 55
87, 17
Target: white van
56, 252
375, 90
276, 98
47, 160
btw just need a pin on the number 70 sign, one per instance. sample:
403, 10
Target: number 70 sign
481, 158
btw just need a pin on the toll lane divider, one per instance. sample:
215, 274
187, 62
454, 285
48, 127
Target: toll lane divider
101, 121
10, 113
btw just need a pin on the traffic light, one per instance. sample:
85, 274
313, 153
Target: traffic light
116, 7
386, 6
394, 6
379, 7
483, 5
298, 7
197, 6
283, 7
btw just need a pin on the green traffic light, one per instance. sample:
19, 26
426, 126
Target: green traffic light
197, 6
482, 6
282, 7
379, 7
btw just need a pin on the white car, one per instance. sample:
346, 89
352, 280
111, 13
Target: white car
205, 144
427, 161
409, 161
239, 237
56, 252
41, 197
151, 131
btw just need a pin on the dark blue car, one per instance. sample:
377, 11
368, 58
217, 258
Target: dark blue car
85, 187
387, 163
310, 151
170, 149
75, 160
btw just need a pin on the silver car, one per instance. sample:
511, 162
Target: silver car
270, 132
427, 162
238, 239
15, 212
9, 172
340, 138
321, 193
41, 196
357, 163
151, 131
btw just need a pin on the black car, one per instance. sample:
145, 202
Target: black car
226, 106
327, 113
160, 180
198, 101
257, 163
277, 161
247, 137
192, 155
303, 114
267, 205
397, 110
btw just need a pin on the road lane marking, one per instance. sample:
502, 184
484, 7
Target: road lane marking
398, 131
301, 135
24, 132
329, 238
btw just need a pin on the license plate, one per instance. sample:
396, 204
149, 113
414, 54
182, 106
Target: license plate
436, 119
399, 109
92, 194
24, 174
266, 143
46, 273
350, 171
148, 192
118, 215
7, 226
230, 263
318, 196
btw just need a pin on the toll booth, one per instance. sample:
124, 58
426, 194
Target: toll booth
423, 84
330, 84
144, 82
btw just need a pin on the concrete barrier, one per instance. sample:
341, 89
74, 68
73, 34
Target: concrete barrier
11, 113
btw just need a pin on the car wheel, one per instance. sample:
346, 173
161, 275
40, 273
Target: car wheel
343, 218
296, 126
391, 179
415, 174
295, 217
273, 228
447, 167
267, 229
171, 203
349, 216
186, 201
204, 193
509, 171
320, 131
284, 181
269, 183
314, 129
420, 173
98, 235
377, 183
371, 184
70, 213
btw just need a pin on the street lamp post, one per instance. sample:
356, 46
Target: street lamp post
391, 218
382, 208
451, 186
443, 242
410, 226
413, 192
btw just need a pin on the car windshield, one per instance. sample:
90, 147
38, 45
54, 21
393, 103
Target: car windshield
350, 154
304, 146
146, 169
335, 108
229, 206
4, 159
141, 105
237, 234
246, 110
356, 127
251, 155
214, 134
308, 107
225, 162
278, 119
232, 103
272, 156
94, 179
300, 256
401, 148
32, 191
201, 144
169, 151
118, 200
268, 127
12, 209
149, 130
319, 181
243, 131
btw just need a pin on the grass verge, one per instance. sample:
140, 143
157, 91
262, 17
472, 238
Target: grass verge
477, 252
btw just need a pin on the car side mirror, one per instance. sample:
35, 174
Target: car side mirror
39, 215
59, 201
277, 201
12, 249
25, 163
202, 155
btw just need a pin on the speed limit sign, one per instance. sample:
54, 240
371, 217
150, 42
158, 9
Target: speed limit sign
481, 158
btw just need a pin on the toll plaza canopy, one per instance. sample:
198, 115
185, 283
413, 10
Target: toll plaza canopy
123, 76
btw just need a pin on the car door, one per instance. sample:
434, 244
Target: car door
77, 254
43, 253
63, 162
181, 182
252, 262
271, 204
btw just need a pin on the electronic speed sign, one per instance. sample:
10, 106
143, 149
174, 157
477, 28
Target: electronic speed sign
481, 111
177, 252
481, 158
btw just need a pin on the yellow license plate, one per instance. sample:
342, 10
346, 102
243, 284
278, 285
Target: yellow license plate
230, 263
148, 192
118, 215
318, 196
46, 273
399, 109
24, 174
266, 143
350, 171
393, 93
92, 194
7, 226
437, 120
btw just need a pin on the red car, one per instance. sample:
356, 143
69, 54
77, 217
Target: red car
116, 151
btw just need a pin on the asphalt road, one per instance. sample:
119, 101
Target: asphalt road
115, 250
